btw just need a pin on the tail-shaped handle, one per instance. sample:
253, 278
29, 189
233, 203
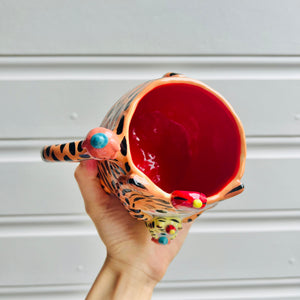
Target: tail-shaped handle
100, 143
65, 152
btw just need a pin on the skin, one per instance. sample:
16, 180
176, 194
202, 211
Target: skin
134, 264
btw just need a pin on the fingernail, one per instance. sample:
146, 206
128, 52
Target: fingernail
90, 165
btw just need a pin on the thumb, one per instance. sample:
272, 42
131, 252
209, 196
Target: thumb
86, 175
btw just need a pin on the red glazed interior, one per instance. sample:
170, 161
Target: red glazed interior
184, 138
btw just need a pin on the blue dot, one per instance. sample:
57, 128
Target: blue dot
99, 140
163, 240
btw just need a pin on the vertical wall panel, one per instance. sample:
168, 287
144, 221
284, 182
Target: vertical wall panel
63, 64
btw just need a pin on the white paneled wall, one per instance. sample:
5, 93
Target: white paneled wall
64, 63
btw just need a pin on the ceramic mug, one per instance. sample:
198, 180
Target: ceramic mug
169, 149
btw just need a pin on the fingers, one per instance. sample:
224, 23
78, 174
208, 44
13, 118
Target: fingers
88, 182
86, 168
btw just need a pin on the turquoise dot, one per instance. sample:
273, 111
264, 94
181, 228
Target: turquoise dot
163, 240
99, 140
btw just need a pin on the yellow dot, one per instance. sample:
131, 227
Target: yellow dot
172, 231
197, 203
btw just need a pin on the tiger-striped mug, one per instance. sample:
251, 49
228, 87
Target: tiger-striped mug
169, 149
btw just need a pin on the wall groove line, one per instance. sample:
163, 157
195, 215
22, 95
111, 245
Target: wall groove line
80, 225
289, 288
145, 67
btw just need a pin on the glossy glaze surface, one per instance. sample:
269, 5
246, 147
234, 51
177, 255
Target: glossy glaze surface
183, 138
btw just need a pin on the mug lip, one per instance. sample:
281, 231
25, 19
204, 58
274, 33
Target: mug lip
221, 194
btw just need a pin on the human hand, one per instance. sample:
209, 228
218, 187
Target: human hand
129, 247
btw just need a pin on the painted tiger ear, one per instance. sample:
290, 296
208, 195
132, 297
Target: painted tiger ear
235, 191
172, 74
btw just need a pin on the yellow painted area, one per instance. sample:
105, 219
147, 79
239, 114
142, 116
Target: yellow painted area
197, 203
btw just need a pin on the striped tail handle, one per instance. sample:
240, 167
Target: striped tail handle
100, 143
65, 152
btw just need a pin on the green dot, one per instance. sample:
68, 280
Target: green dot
99, 140
163, 240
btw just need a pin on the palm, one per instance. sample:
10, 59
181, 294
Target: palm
123, 234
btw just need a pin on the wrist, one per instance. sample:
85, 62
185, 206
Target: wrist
150, 261
129, 279
118, 280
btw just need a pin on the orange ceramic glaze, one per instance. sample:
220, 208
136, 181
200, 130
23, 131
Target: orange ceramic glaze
169, 149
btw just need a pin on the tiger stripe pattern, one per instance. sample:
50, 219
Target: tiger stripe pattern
116, 176
131, 190
163, 213
65, 152
158, 225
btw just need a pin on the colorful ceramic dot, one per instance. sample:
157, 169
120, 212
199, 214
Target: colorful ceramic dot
163, 240
172, 231
99, 140
197, 203
170, 228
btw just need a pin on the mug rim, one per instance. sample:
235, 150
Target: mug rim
221, 194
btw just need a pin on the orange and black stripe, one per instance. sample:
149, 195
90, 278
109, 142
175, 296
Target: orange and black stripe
65, 152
